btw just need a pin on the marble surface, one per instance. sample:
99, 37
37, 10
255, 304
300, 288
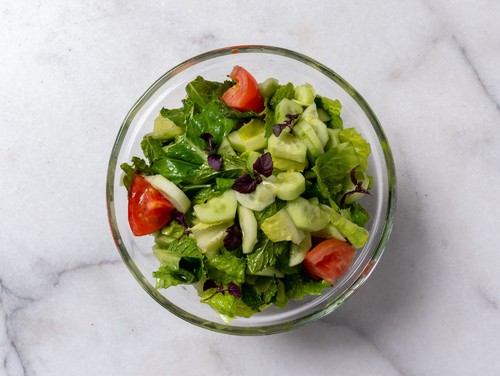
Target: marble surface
69, 72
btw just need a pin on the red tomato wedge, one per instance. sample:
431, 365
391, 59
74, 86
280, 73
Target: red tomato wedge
329, 260
148, 209
244, 95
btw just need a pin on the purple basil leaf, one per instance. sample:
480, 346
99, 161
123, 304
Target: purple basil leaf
209, 139
209, 284
278, 128
179, 218
264, 165
353, 175
234, 237
245, 184
234, 290
215, 161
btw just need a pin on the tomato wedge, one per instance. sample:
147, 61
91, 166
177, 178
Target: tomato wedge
329, 260
244, 95
148, 209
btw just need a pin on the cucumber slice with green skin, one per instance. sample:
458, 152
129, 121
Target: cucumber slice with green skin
287, 146
269, 272
280, 227
251, 158
289, 185
249, 137
288, 165
225, 147
329, 232
217, 209
321, 130
298, 251
165, 129
323, 115
310, 113
248, 225
306, 216
210, 237
304, 94
171, 192
258, 200
286, 107
268, 87
307, 134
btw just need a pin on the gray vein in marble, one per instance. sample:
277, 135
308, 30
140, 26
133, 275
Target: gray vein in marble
11, 344
83, 266
463, 51
465, 55
20, 303
487, 298
362, 335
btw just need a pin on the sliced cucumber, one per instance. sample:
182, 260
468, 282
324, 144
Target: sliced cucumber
329, 232
298, 251
321, 130
210, 238
165, 129
225, 147
268, 87
280, 227
306, 216
307, 134
304, 94
286, 107
258, 200
311, 112
288, 165
173, 193
269, 272
248, 225
289, 185
217, 209
249, 137
323, 115
287, 146
251, 158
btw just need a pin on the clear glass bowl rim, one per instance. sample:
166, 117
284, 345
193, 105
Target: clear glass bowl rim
281, 327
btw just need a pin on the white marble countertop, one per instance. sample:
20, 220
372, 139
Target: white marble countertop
69, 72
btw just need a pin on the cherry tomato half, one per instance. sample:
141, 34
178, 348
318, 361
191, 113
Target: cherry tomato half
329, 260
244, 95
148, 209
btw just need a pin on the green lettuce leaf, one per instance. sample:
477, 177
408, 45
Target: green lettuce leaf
201, 91
265, 254
284, 91
152, 149
356, 235
361, 146
179, 116
333, 108
226, 268
333, 169
137, 166
297, 286
226, 304
181, 263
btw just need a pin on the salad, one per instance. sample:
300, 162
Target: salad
251, 193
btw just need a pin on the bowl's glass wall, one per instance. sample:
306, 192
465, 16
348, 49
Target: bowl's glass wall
262, 62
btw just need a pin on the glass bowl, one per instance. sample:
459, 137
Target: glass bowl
263, 62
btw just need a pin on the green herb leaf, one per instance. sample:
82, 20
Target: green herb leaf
181, 263
333, 108
226, 268
284, 91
